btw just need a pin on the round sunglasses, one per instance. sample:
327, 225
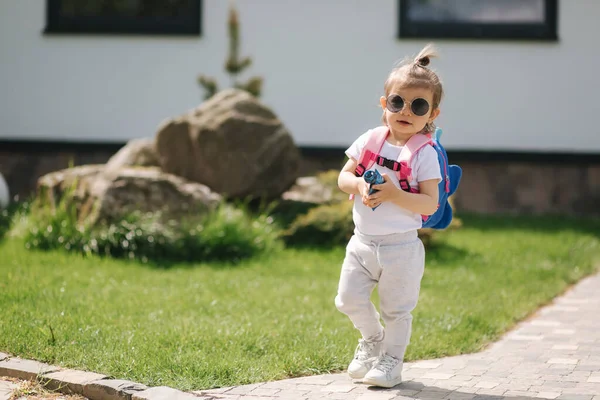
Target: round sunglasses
395, 103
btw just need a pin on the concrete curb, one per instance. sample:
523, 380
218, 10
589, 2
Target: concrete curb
88, 384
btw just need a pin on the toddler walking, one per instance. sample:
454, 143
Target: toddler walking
385, 249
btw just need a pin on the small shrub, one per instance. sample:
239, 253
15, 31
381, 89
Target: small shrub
11, 215
324, 225
228, 234
5, 222
331, 224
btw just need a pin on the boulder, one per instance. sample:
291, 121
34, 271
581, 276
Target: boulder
233, 144
137, 152
309, 189
4, 193
100, 197
319, 189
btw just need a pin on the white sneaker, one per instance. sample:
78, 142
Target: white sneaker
387, 372
364, 356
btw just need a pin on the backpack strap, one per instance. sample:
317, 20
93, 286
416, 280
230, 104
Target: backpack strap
370, 150
410, 149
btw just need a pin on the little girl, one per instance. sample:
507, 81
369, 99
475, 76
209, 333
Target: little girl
385, 248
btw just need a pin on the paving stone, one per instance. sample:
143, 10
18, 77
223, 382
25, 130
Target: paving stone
465, 389
561, 369
246, 389
377, 396
448, 388
564, 331
591, 368
581, 389
410, 385
560, 385
24, 369
461, 378
425, 382
486, 384
517, 385
427, 365
526, 337
573, 361
215, 391
432, 394
69, 381
456, 395
548, 395
488, 397
309, 388
6, 389
437, 375
110, 389
338, 388
546, 322
491, 392
472, 372
327, 396
519, 393
163, 393
407, 392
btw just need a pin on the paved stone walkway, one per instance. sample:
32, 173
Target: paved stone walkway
553, 355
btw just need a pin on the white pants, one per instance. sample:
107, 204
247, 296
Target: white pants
396, 262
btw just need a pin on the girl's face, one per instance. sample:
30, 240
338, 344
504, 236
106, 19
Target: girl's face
408, 110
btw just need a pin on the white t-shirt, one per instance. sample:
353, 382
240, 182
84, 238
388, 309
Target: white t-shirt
388, 217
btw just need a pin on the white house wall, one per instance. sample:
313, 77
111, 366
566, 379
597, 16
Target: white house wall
324, 63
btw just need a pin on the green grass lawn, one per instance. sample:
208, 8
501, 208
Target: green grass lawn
216, 325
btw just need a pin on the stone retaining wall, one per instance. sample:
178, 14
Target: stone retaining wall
488, 186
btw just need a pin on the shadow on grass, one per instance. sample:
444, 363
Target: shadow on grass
445, 254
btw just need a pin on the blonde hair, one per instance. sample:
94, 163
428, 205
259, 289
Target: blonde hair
414, 73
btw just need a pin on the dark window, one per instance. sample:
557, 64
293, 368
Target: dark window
176, 17
479, 19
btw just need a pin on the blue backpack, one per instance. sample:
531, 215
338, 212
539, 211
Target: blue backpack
451, 174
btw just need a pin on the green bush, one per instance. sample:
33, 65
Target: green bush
11, 214
331, 224
324, 225
5, 221
227, 234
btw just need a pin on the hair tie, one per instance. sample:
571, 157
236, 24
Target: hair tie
423, 61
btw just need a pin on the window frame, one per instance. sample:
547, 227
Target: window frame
57, 24
546, 31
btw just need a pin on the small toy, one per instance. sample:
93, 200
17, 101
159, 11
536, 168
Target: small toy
373, 177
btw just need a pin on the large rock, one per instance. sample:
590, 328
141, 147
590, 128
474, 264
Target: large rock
319, 189
233, 144
137, 152
4, 193
100, 197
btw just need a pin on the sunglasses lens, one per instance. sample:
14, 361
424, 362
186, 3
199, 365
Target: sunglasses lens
395, 103
420, 107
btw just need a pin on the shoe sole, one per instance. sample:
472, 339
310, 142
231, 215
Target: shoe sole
356, 375
385, 384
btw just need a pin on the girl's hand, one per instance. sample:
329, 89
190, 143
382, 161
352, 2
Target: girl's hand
363, 189
387, 192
